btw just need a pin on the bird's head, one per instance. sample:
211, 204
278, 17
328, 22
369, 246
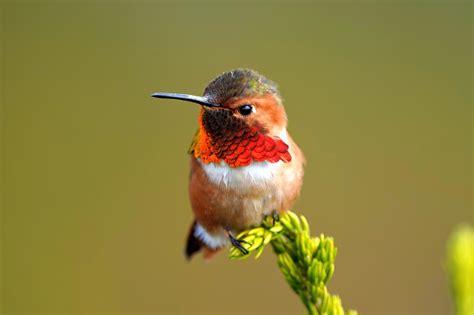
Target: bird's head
248, 99
242, 119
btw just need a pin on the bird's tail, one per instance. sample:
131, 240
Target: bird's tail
194, 245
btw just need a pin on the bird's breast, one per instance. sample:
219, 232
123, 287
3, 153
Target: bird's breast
238, 197
245, 193
257, 175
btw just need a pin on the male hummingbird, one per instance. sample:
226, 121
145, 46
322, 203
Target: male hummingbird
244, 164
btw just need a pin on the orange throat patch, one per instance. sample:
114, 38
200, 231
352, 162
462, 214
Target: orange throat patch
239, 148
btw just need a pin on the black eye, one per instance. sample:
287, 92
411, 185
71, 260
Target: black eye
245, 110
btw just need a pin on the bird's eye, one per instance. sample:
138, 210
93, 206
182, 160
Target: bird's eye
245, 110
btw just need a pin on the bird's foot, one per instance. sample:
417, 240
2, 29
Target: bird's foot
275, 217
237, 243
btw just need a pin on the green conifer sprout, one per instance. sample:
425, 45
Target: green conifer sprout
460, 265
307, 263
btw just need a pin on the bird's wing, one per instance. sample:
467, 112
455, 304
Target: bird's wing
194, 143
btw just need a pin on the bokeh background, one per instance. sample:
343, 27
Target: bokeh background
94, 174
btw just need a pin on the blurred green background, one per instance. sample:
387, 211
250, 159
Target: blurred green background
94, 173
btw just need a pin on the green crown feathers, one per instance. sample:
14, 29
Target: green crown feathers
239, 83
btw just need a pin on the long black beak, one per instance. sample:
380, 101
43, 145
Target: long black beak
186, 97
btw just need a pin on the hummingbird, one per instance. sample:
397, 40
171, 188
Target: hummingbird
244, 164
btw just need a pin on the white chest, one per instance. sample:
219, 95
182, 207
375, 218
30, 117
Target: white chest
242, 178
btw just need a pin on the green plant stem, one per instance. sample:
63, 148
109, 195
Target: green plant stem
307, 263
460, 265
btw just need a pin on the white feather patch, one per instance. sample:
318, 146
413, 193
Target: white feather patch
257, 173
211, 241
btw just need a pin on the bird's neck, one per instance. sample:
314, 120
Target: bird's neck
241, 148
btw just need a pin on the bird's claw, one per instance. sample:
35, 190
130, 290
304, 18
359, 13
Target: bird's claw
275, 217
238, 244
